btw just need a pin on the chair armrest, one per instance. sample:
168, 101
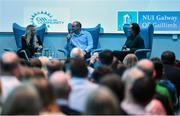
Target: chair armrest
142, 53
142, 50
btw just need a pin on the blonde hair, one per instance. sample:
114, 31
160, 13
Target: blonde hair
28, 35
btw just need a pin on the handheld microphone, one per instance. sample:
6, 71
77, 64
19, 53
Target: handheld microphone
70, 31
69, 36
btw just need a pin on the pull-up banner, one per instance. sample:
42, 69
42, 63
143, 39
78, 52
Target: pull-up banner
164, 22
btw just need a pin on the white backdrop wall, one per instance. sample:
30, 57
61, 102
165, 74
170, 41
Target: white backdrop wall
60, 12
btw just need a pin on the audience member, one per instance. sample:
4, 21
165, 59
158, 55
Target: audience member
10, 72
130, 60
113, 82
47, 96
120, 69
171, 72
129, 104
23, 100
35, 63
102, 102
27, 74
159, 105
54, 65
78, 53
98, 73
147, 67
62, 89
164, 83
143, 90
81, 87
103, 58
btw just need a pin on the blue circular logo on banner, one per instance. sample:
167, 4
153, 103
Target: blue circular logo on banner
40, 18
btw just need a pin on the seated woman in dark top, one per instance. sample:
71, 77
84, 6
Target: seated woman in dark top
30, 41
133, 42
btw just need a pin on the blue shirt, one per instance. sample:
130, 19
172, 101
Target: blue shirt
83, 41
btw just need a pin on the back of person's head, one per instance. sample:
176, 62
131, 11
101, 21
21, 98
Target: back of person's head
39, 74
135, 28
27, 73
132, 74
146, 66
44, 60
35, 63
59, 81
100, 72
130, 60
168, 57
165, 102
129, 77
23, 100
76, 53
102, 102
45, 92
78, 67
120, 69
113, 82
24, 62
54, 65
106, 57
143, 90
158, 66
9, 62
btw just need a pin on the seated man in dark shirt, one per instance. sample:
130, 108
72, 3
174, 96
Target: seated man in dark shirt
133, 42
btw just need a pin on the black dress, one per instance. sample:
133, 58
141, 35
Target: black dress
29, 47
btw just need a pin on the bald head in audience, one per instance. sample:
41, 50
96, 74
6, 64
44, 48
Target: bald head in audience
76, 53
147, 67
10, 64
9, 57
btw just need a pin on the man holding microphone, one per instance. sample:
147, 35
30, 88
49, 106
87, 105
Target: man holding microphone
79, 38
